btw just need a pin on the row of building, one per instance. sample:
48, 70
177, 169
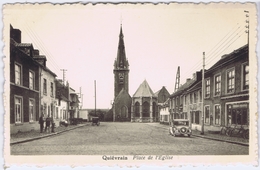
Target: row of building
35, 89
226, 95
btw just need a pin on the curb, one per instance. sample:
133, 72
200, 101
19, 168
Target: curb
45, 136
211, 138
227, 141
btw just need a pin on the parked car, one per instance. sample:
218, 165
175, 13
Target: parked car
95, 121
180, 127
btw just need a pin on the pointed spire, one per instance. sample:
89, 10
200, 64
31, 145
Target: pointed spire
121, 61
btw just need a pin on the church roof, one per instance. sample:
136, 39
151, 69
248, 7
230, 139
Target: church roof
122, 95
121, 62
144, 90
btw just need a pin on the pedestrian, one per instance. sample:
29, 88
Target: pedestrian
41, 122
47, 126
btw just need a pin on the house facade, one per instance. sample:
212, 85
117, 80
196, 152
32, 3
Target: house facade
226, 100
24, 85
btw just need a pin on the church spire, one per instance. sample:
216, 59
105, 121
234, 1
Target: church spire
121, 61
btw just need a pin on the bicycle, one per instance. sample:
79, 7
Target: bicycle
225, 130
241, 131
246, 134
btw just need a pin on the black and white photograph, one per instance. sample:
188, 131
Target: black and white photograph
130, 83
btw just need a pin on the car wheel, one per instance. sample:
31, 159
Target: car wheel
189, 136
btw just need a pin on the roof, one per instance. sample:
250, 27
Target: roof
197, 86
122, 94
183, 87
144, 90
228, 58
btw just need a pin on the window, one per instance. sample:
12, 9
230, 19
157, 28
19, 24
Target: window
51, 89
191, 98
44, 86
231, 80
18, 109
217, 85
31, 80
195, 97
207, 114
31, 110
207, 92
245, 78
238, 114
217, 115
18, 76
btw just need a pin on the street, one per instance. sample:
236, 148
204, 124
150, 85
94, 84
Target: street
125, 139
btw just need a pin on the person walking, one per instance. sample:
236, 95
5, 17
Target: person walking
41, 122
48, 123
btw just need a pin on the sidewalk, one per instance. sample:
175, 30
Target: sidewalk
216, 137
33, 135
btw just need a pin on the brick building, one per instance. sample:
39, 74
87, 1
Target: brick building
226, 100
24, 85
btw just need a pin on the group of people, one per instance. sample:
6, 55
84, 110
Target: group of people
48, 122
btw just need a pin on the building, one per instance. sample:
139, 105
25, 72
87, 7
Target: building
74, 104
48, 101
163, 105
122, 100
24, 85
181, 101
144, 104
62, 98
226, 100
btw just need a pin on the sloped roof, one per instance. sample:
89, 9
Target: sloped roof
183, 87
122, 94
144, 90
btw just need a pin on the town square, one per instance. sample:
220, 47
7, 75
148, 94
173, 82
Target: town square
150, 81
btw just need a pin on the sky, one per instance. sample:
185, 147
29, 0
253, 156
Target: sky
83, 39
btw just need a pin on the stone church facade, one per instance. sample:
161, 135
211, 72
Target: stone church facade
122, 100
143, 106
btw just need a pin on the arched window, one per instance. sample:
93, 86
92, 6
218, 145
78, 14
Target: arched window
137, 109
146, 109
124, 112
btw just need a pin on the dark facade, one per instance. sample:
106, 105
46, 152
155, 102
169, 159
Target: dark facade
122, 100
226, 100
121, 68
24, 85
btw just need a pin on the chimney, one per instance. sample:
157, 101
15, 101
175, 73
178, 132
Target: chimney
188, 79
15, 34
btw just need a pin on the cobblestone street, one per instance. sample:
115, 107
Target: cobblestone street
125, 139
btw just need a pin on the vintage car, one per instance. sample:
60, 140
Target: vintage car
180, 127
95, 121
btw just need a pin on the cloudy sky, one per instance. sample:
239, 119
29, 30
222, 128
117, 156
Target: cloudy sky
83, 39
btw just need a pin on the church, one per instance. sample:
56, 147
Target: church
143, 106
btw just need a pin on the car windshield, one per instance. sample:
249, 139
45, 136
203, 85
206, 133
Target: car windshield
177, 123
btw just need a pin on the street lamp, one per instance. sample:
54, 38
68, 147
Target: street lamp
202, 93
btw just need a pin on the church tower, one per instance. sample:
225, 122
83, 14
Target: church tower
121, 68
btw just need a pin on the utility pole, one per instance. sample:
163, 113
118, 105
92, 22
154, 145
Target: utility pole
63, 70
202, 97
247, 25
